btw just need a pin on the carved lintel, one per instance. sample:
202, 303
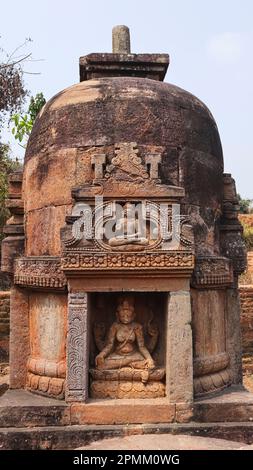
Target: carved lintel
77, 346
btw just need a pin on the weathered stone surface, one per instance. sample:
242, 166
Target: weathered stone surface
20, 409
19, 337
211, 360
41, 227
151, 66
179, 369
234, 344
4, 325
123, 412
246, 298
40, 272
13, 244
184, 412
48, 314
235, 405
4, 280
48, 327
87, 127
4, 378
121, 40
43, 179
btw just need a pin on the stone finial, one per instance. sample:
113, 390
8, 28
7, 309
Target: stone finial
121, 40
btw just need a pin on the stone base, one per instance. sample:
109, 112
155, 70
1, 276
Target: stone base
46, 386
212, 382
133, 411
234, 404
73, 437
127, 383
30, 421
126, 389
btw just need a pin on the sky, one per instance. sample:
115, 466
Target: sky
210, 45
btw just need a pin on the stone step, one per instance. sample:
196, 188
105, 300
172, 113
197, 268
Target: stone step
21, 409
72, 437
235, 404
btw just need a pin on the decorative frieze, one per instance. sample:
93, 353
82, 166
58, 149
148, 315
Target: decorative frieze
175, 260
39, 272
212, 271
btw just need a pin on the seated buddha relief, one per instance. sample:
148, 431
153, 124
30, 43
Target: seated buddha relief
127, 229
124, 366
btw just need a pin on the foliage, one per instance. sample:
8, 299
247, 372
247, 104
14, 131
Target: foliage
245, 205
7, 165
12, 90
35, 105
248, 235
23, 124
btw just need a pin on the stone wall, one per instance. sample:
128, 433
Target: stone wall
246, 295
4, 325
4, 281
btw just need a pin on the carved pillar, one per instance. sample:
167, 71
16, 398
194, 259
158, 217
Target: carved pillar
179, 369
77, 348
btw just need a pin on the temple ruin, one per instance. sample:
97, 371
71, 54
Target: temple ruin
124, 249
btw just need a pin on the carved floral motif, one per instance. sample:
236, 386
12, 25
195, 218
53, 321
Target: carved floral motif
77, 375
123, 261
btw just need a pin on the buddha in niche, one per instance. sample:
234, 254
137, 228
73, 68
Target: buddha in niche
127, 229
125, 345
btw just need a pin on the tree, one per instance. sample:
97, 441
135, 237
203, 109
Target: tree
245, 205
23, 124
12, 89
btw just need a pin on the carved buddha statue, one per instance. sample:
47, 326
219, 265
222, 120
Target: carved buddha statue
125, 343
127, 229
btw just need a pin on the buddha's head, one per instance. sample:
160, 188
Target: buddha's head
125, 310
